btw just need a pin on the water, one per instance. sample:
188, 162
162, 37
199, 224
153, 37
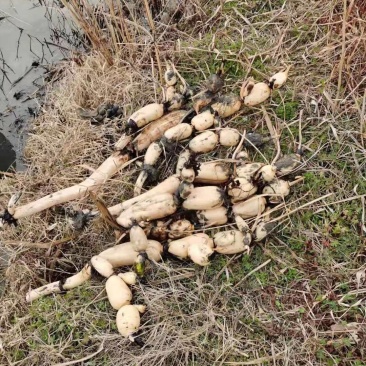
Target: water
27, 48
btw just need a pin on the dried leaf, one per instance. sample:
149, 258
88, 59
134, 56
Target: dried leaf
104, 212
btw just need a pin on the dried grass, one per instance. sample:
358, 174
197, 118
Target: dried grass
302, 282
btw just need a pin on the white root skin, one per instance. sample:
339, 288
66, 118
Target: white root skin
51, 288
150, 209
170, 76
140, 308
246, 87
12, 202
179, 247
183, 158
227, 105
128, 320
123, 141
268, 173
180, 228
140, 181
213, 172
78, 279
118, 292
214, 217
204, 198
185, 189
229, 137
124, 255
188, 175
279, 78
204, 142
179, 132
170, 92
259, 93
250, 208
151, 157
247, 171
242, 155
109, 168
152, 154
120, 255
56, 287
241, 224
155, 130
169, 185
154, 251
287, 164
138, 238
128, 277
202, 100
261, 231
231, 242
241, 189
199, 253
147, 114
102, 266
176, 102
203, 120
279, 189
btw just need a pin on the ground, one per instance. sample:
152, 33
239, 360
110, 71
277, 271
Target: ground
299, 297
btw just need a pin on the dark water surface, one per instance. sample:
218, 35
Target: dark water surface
27, 48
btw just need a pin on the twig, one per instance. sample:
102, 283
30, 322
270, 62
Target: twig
258, 361
149, 18
39, 245
273, 133
157, 55
100, 349
344, 200
343, 52
240, 144
11, 16
253, 271
300, 208
300, 131
7, 174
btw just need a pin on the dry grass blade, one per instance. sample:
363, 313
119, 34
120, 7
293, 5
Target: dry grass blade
86, 358
341, 62
39, 245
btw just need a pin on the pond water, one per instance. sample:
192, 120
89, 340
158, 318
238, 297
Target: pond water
27, 48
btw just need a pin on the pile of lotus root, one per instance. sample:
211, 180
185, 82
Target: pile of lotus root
206, 206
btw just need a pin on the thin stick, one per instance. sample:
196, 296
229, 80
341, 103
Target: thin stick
100, 349
298, 180
39, 245
149, 18
343, 52
273, 133
237, 150
300, 131
157, 55
300, 208
345, 200
253, 271
7, 174
182, 80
